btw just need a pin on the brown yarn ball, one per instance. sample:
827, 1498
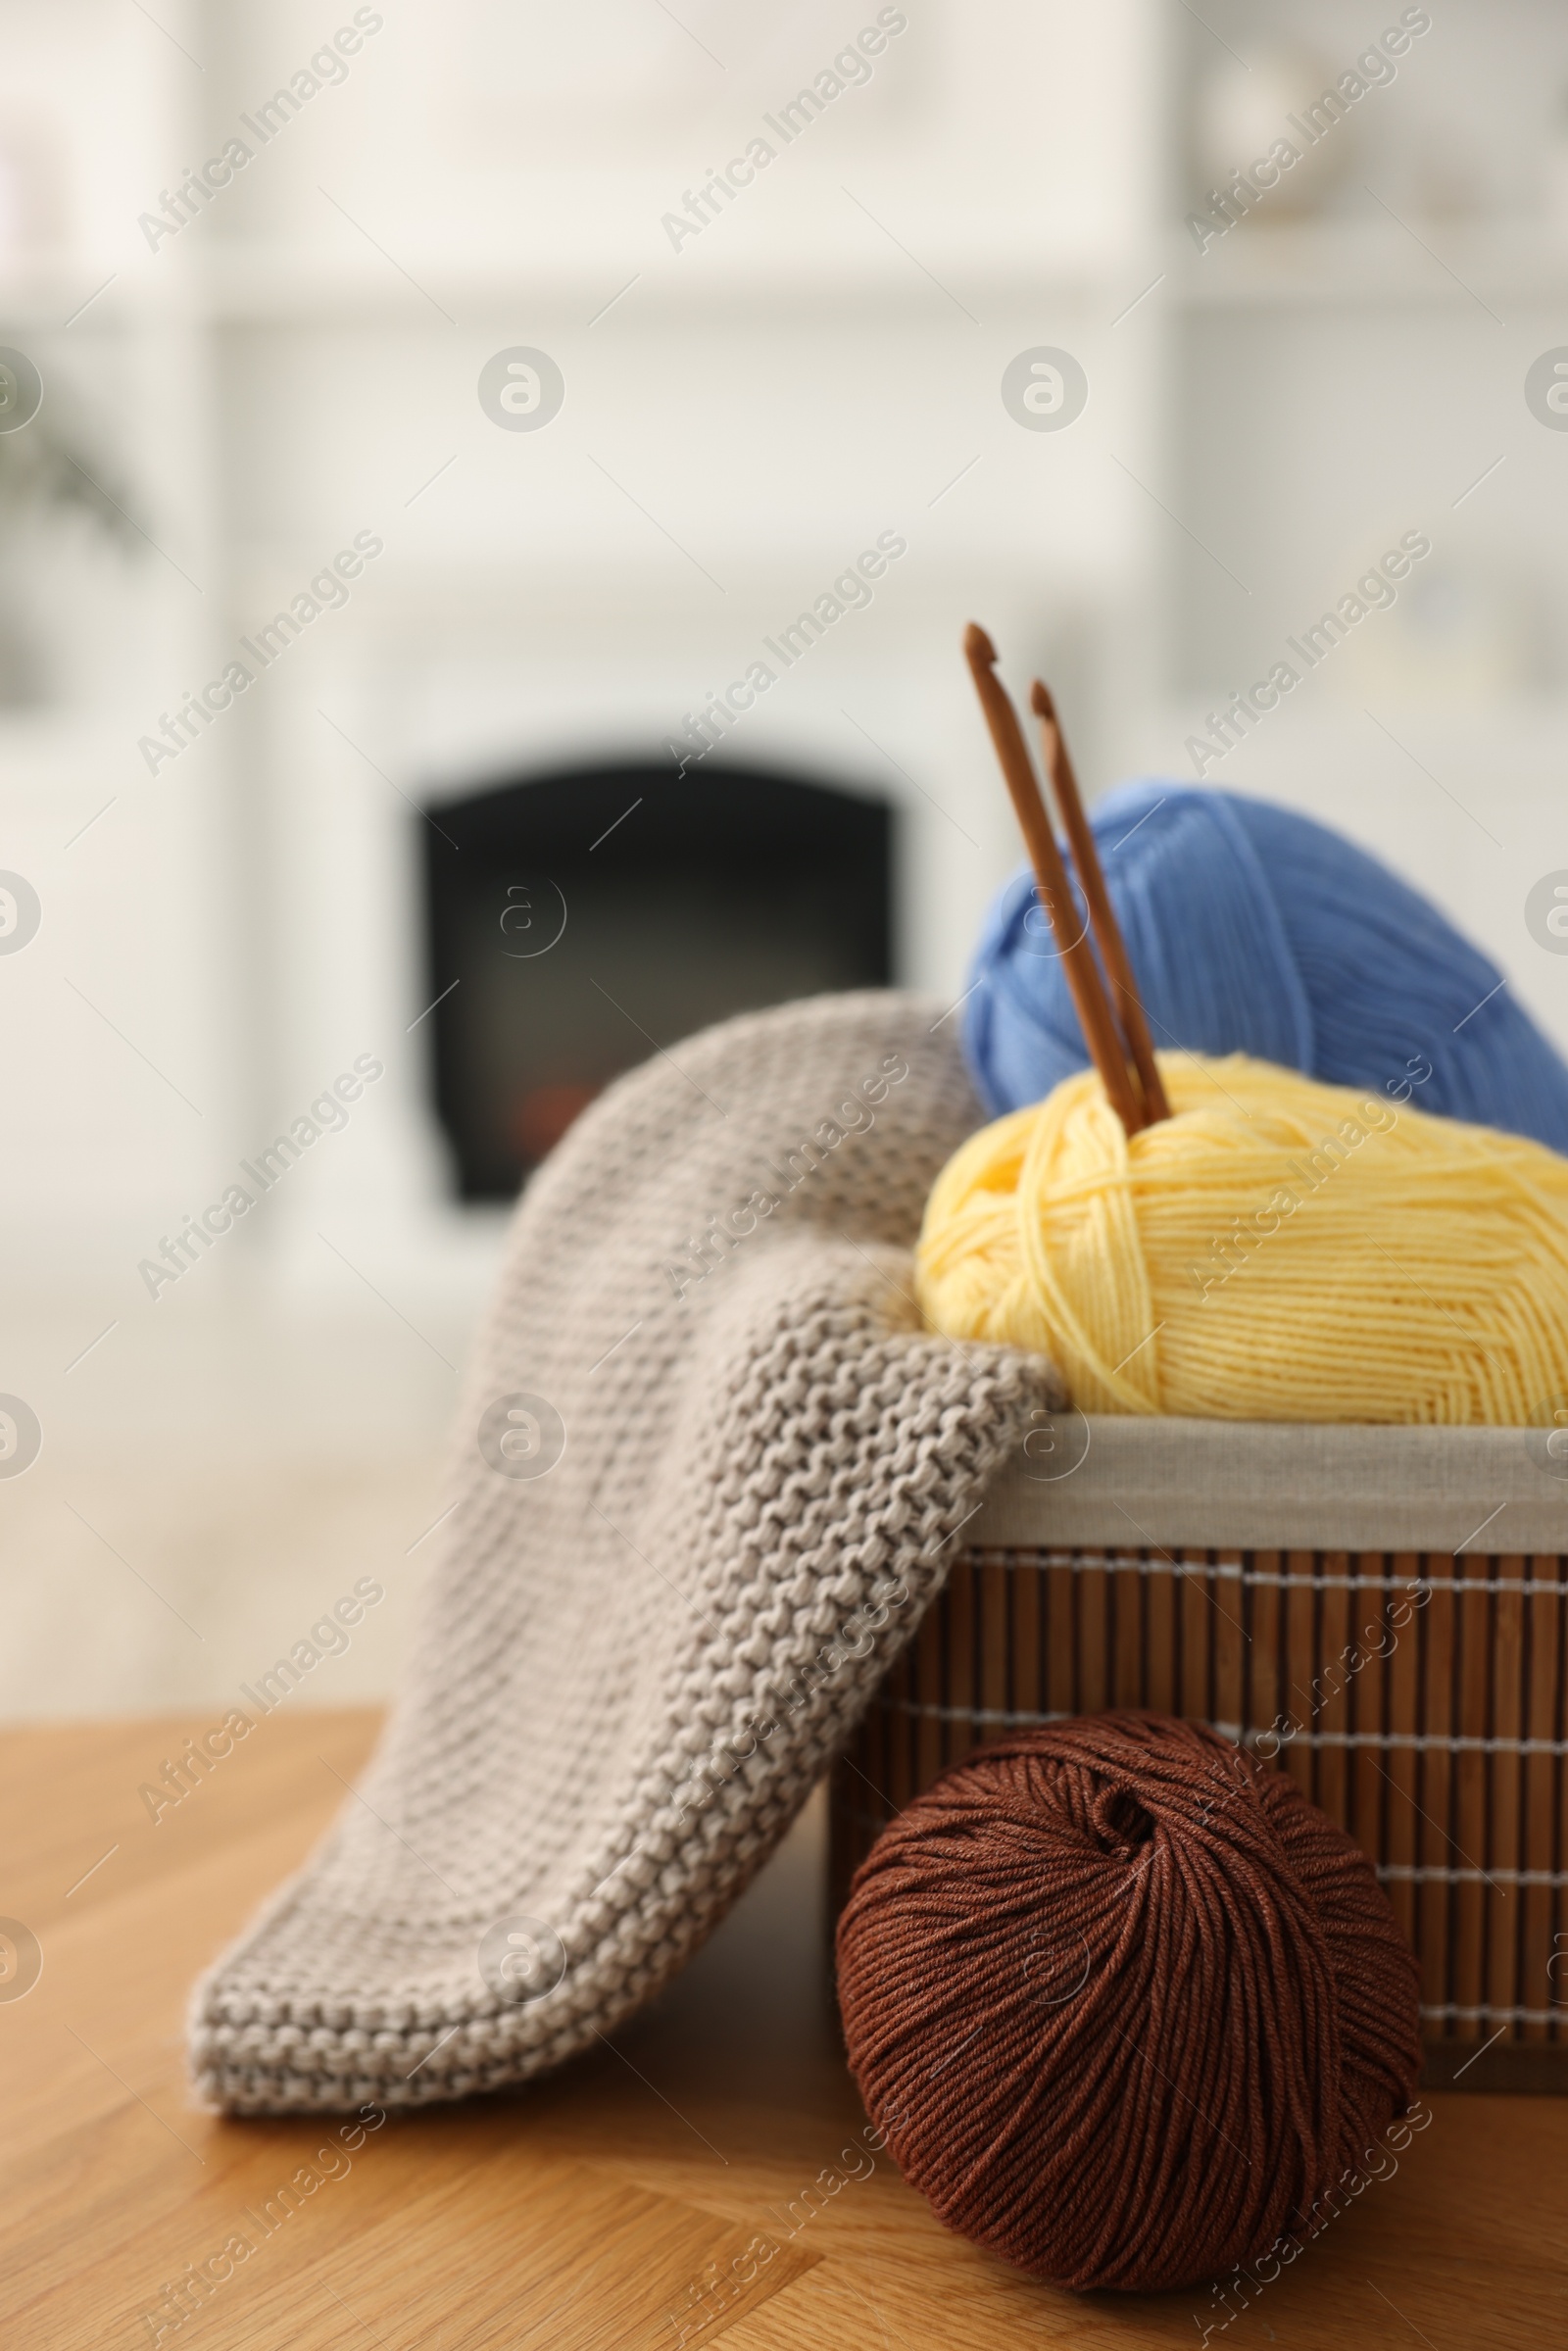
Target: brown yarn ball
1124, 2002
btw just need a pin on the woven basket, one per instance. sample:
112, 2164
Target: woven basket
1385, 1611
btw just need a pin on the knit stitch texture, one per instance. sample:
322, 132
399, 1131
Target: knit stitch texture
633, 1668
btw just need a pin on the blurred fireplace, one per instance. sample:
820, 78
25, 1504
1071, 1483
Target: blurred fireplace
575, 922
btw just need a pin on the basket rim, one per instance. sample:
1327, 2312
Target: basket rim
1131, 1482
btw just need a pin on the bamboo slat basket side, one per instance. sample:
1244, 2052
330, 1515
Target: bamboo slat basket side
1421, 1698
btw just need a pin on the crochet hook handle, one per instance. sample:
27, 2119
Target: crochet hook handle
1127, 1003
1089, 995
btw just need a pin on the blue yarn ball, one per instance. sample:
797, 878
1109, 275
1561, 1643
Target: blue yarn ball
1252, 929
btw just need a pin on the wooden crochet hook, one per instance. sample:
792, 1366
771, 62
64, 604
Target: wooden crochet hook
1089, 996
1126, 1002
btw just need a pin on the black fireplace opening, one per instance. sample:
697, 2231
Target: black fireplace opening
577, 923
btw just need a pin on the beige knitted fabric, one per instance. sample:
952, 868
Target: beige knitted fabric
637, 1658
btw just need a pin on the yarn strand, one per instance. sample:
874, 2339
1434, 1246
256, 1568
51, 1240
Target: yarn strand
1277, 1250
1254, 929
1243, 2026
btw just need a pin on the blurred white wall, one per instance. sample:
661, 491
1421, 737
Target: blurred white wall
299, 363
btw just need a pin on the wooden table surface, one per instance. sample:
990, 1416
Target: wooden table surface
593, 2212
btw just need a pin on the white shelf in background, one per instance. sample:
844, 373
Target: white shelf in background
1260, 263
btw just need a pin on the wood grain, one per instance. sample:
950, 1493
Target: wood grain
654, 2192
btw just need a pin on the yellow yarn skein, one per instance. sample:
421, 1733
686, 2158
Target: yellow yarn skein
1276, 1250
